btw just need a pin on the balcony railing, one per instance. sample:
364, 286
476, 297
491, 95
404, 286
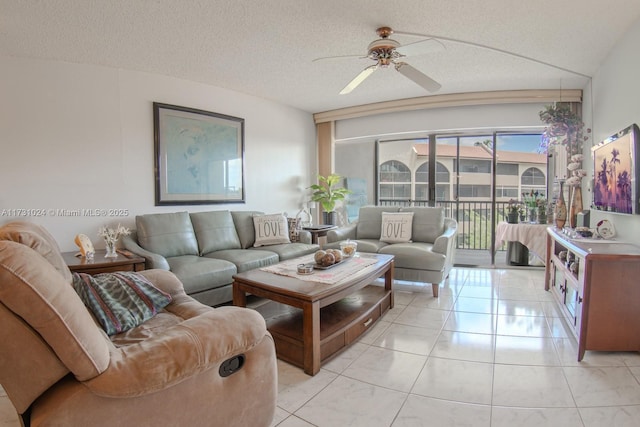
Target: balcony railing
474, 219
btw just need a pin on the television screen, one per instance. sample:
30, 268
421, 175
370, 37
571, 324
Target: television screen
615, 171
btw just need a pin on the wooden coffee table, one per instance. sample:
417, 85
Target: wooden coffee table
312, 321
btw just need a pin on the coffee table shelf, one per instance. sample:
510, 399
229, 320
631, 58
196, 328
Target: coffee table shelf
341, 323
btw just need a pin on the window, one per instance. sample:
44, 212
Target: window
507, 169
442, 182
395, 181
510, 192
533, 176
468, 190
474, 166
394, 171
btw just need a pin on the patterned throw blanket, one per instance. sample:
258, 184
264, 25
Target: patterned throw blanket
119, 301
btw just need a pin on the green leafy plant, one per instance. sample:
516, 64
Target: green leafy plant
326, 193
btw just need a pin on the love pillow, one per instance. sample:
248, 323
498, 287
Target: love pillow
271, 229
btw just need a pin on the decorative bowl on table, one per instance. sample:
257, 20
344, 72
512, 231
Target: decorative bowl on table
348, 248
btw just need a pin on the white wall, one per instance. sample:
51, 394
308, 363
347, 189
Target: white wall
615, 104
81, 137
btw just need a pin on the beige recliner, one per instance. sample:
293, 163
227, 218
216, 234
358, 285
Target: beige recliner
189, 365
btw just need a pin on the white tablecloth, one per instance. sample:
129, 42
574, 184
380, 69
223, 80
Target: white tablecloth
533, 236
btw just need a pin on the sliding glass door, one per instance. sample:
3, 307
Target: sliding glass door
472, 176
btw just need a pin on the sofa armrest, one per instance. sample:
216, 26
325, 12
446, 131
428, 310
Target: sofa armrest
304, 236
153, 260
342, 233
193, 346
446, 240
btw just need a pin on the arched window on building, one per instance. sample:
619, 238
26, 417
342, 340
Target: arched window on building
443, 187
533, 179
395, 181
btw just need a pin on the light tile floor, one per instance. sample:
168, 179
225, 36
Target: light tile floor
492, 350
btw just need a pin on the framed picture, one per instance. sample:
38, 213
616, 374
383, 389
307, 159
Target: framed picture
199, 156
615, 172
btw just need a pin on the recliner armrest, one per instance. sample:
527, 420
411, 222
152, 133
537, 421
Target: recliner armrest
444, 242
180, 352
152, 260
342, 233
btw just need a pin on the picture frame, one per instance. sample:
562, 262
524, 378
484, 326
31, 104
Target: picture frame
199, 156
616, 170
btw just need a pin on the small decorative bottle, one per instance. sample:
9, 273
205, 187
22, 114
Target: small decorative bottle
560, 214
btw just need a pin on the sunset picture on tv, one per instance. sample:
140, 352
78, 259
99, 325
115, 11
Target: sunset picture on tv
614, 177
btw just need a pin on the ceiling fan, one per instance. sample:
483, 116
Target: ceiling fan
388, 52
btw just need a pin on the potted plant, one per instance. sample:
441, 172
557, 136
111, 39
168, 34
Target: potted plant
327, 194
513, 211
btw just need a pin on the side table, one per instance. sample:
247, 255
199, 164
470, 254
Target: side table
100, 264
318, 231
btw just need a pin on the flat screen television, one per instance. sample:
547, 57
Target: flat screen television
615, 172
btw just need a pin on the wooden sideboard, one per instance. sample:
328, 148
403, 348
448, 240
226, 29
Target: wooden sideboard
596, 285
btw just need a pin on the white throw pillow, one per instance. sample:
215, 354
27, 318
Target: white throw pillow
271, 229
396, 227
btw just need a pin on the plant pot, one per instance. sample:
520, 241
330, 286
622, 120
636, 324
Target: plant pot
330, 218
512, 217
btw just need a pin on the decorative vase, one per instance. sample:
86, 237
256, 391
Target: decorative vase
560, 212
330, 218
533, 215
110, 246
512, 217
575, 207
542, 216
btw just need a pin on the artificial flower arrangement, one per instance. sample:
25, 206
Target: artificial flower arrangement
533, 199
564, 127
111, 236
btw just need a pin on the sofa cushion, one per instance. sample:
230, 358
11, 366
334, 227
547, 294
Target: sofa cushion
40, 240
292, 250
119, 301
199, 274
244, 259
244, 227
294, 225
428, 223
417, 256
270, 229
215, 231
167, 234
396, 227
370, 221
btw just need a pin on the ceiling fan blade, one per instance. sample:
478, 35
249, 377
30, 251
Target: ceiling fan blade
339, 57
419, 78
359, 79
421, 47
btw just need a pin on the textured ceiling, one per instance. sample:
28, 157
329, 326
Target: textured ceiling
266, 48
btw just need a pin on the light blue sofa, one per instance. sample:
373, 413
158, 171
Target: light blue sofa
427, 258
205, 249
